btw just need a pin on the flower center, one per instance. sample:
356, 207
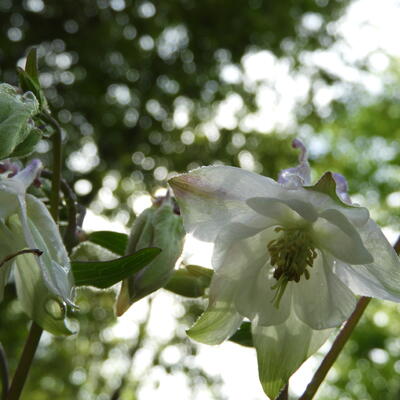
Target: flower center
291, 253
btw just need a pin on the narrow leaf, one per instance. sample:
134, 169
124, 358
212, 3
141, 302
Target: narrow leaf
103, 274
31, 65
113, 241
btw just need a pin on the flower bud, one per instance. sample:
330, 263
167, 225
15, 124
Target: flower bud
158, 226
18, 135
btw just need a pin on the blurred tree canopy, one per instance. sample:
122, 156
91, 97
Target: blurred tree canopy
137, 86
134, 83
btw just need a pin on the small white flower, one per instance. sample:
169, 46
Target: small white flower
288, 256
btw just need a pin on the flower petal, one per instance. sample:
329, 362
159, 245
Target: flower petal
255, 300
380, 278
323, 301
285, 211
245, 263
47, 311
220, 320
11, 188
281, 349
240, 258
41, 232
300, 175
37, 301
211, 197
334, 233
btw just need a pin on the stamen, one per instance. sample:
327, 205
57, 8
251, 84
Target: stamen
291, 254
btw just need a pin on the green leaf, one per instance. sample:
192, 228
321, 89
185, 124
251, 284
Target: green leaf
103, 274
243, 335
29, 78
113, 241
31, 65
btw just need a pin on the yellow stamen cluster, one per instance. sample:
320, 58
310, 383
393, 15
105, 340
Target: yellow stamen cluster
291, 254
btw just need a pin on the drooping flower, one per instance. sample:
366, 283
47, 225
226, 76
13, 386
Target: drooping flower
287, 255
44, 284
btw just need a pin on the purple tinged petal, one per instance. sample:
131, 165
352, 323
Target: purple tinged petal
29, 173
300, 175
342, 187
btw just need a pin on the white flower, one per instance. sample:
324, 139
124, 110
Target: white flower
44, 284
288, 256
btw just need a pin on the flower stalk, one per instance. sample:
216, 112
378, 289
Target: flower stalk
339, 343
335, 350
36, 252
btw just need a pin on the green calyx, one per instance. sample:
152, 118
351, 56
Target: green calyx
291, 253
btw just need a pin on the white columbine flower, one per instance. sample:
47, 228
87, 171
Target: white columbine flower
287, 255
44, 284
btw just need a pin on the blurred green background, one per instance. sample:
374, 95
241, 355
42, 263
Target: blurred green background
146, 89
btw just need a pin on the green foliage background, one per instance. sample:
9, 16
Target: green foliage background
115, 72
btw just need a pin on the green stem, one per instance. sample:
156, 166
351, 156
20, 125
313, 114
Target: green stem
339, 343
36, 252
57, 164
25, 362
335, 350
71, 202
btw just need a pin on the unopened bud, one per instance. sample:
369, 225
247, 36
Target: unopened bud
159, 226
18, 134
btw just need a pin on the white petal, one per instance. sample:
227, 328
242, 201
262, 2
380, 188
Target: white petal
334, 233
246, 261
220, 320
323, 301
231, 250
380, 278
285, 211
12, 188
211, 197
281, 349
36, 301
255, 299
358, 216
41, 232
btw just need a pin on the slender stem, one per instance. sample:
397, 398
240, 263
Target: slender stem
335, 350
284, 394
72, 210
3, 373
37, 252
25, 362
57, 164
339, 343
